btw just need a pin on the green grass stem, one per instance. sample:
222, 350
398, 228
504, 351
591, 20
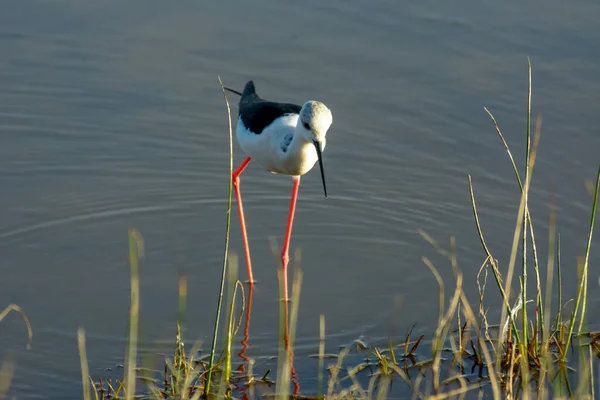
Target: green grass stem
232, 288
581, 292
507, 310
136, 250
85, 372
559, 284
19, 310
7, 370
226, 248
588, 248
321, 355
525, 216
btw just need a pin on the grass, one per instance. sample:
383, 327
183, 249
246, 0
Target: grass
541, 351
7, 368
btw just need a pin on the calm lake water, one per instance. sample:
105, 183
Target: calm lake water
111, 117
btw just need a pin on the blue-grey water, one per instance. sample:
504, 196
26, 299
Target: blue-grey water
111, 117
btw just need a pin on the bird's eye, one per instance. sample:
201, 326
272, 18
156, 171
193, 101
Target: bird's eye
306, 126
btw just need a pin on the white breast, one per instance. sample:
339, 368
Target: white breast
267, 148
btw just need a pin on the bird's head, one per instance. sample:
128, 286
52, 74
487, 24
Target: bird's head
314, 121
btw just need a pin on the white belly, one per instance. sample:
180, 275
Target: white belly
267, 148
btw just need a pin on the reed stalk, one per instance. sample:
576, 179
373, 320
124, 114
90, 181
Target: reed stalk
225, 250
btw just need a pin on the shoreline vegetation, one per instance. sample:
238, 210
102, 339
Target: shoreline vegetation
537, 352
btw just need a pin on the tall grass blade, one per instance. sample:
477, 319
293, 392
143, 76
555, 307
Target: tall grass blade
559, 284
525, 216
182, 300
442, 331
529, 219
85, 372
321, 355
136, 251
506, 311
19, 310
232, 278
226, 248
591, 367
489, 361
587, 255
440, 283
7, 370
545, 357
523, 348
583, 280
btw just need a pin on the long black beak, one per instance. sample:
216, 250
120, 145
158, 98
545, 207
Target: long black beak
232, 91
318, 147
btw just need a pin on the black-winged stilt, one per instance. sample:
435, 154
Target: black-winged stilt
284, 139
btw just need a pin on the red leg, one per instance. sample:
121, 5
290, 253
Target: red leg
285, 258
236, 185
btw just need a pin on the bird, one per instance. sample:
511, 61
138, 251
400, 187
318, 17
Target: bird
283, 138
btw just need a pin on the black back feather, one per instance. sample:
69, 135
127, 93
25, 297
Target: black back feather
257, 114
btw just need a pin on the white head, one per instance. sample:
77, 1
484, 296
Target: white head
315, 119
313, 123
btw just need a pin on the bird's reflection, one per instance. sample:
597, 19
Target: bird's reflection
243, 367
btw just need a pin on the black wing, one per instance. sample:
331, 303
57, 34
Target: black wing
256, 116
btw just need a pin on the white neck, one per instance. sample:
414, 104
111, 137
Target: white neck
301, 154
